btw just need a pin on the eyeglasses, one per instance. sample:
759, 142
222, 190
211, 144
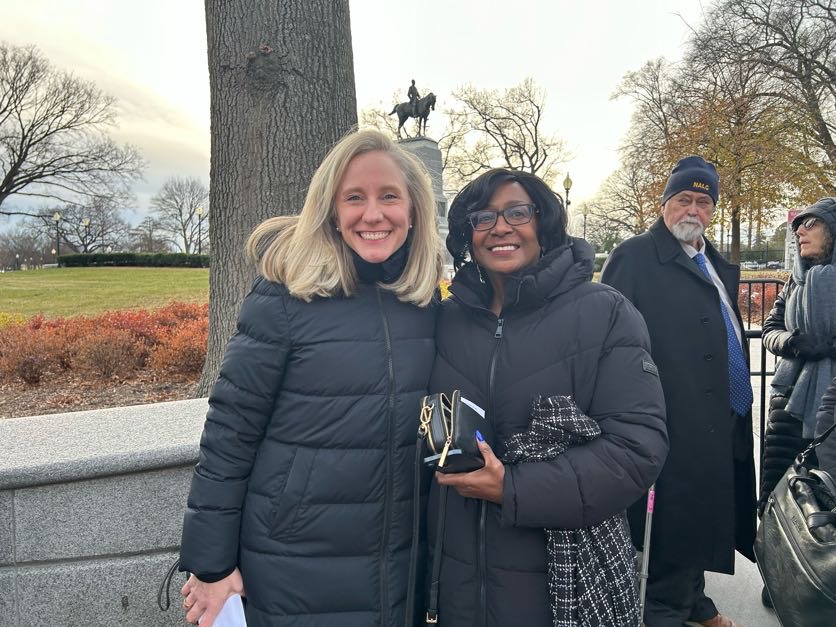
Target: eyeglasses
515, 216
808, 224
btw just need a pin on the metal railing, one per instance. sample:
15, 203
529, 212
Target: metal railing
760, 294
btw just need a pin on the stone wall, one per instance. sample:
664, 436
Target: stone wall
91, 505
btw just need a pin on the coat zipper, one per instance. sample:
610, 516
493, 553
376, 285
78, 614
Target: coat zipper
483, 506
384, 553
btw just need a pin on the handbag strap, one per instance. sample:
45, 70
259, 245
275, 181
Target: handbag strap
165, 585
432, 603
820, 519
803, 455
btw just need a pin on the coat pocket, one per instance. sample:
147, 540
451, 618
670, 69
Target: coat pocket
286, 507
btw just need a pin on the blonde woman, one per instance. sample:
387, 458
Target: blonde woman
302, 497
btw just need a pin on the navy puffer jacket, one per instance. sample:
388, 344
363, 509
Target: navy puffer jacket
305, 473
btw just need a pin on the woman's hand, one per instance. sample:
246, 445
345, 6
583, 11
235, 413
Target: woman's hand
485, 483
204, 600
807, 346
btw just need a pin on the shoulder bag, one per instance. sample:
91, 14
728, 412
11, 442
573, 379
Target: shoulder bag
795, 545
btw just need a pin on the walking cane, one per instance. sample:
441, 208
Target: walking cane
643, 571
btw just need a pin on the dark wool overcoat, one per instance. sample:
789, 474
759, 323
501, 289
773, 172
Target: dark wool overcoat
705, 496
557, 334
306, 461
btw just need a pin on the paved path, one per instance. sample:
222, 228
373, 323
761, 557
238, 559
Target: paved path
739, 595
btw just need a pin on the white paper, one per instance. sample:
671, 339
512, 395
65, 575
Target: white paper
231, 614
473, 406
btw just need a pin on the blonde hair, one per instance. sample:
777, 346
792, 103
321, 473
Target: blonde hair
309, 255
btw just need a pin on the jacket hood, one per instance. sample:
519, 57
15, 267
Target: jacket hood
555, 273
825, 210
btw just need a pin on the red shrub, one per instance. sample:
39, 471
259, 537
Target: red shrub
21, 354
114, 343
183, 349
110, 352
174, 313
63, 338
756, 301
141, 324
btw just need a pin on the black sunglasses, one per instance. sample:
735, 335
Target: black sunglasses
808, 223
515, 216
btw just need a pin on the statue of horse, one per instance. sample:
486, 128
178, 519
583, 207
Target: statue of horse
404, 111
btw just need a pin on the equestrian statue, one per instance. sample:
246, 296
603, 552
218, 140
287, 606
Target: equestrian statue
417, 107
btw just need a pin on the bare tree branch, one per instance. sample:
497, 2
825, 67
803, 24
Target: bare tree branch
53, 142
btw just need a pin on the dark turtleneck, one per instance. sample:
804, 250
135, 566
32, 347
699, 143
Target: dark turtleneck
385, 272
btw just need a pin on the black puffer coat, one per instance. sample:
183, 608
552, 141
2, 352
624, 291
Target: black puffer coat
305, 473
557, 334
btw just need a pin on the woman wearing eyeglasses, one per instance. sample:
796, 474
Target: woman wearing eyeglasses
801, 330
524, 320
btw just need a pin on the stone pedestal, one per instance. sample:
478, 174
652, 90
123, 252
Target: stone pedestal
427, 151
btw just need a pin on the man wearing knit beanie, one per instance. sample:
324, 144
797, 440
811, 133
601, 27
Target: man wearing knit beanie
705, 494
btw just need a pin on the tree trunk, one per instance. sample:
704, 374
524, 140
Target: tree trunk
734, 257
281, 78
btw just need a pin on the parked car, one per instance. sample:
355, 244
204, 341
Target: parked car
749, 265
775, 265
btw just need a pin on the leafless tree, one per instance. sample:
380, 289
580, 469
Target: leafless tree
84, 228
281, 79
20, 247
148, 237
627, 203
489, 129
53, 140
182, 208
378, 117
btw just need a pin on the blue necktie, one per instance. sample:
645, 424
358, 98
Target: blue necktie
740, 387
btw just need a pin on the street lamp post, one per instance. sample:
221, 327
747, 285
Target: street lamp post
199, 212
585, 212
56, 217
567, 185
17, 261
86, 223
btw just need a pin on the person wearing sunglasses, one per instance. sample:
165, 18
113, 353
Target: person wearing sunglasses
525, 320
801, 330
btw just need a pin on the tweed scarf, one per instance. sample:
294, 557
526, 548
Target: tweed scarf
591, 571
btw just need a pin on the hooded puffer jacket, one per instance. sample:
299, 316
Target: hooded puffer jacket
305, 473
557, 334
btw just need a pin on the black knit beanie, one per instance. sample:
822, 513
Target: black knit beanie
693, 174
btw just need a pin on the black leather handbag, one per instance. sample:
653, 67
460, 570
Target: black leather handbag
796, 544
448, 426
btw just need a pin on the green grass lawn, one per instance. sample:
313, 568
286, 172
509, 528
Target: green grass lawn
61, 292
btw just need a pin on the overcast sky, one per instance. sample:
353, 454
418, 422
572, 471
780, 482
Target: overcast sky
151, 55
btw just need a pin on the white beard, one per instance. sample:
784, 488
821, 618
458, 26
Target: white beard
688, 230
